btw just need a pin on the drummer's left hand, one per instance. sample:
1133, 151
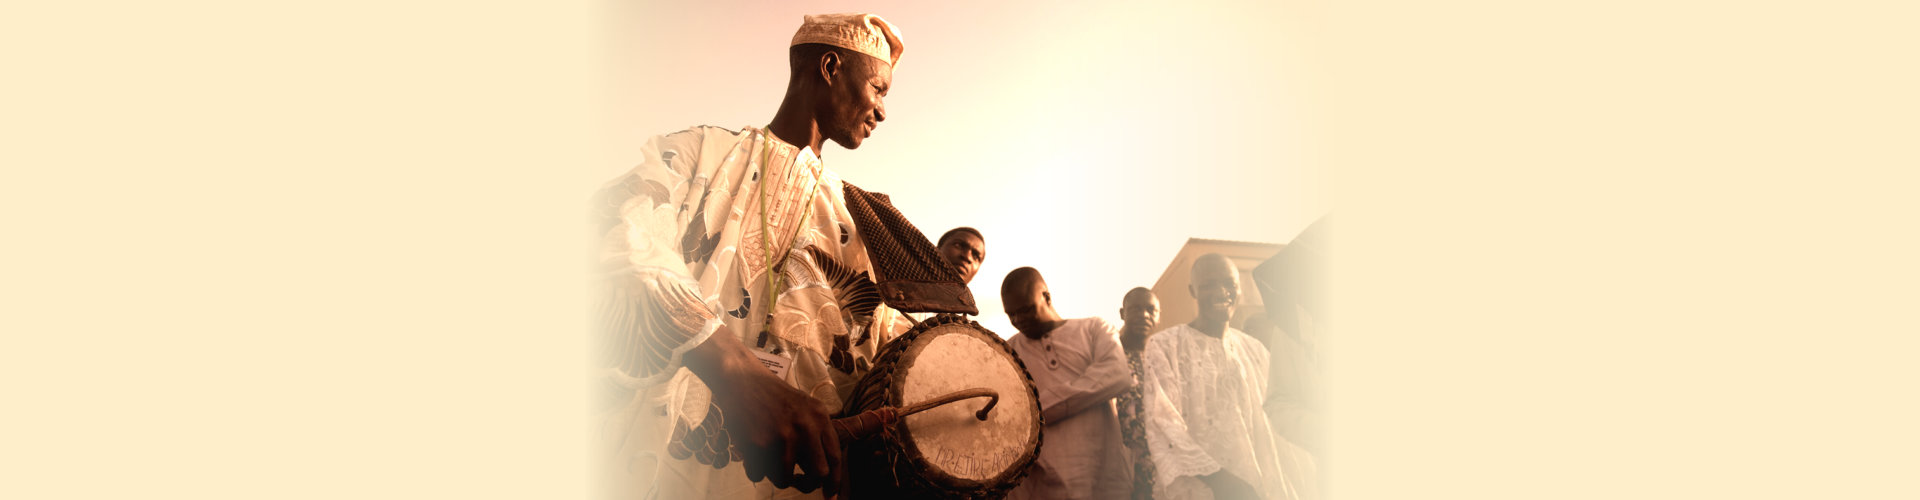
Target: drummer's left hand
775, 426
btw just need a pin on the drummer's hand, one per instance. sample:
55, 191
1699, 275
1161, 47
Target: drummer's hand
1227, 486
772, 424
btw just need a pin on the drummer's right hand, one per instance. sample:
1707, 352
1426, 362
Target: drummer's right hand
775, 426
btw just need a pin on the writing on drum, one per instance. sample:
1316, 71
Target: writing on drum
967, 464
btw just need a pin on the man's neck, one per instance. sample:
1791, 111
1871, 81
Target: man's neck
1133, 340
796, 126
1043, 334
1212, 329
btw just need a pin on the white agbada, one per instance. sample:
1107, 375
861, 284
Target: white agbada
741, 230
1204, 414
1077, 369
685, 240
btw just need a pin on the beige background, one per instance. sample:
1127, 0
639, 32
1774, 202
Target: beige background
1063, 134
1617, 249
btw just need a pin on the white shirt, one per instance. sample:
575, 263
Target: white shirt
1077, 369
1204, 415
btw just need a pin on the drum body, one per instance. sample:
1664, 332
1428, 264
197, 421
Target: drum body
945, 452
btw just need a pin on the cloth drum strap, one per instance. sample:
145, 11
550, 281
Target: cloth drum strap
907, 268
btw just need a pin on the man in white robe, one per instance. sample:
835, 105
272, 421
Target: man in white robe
1206, 383
1077, 368
729, 260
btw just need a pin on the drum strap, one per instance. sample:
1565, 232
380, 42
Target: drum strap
907, 268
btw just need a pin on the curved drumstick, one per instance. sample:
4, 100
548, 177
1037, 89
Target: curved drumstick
874, 421
956, 396
870, 422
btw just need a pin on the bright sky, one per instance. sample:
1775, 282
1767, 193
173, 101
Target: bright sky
1086, 139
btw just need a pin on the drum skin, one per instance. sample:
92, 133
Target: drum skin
945, 452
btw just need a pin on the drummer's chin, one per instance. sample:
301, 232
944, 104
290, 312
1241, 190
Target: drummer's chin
850, 142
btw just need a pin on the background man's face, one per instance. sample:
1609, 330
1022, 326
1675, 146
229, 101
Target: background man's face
1139, 313
965, 252
1216, 290
855, 101
1025, 309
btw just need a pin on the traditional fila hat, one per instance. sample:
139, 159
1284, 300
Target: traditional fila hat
864, 33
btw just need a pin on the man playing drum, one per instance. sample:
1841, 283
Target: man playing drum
1077, 368
1206, 382
732, 254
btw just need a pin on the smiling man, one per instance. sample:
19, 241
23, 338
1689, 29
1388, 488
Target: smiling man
737, 306
1205, 385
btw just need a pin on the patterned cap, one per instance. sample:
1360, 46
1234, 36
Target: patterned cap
864, 33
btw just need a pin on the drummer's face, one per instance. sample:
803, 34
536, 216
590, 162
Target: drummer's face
855, 101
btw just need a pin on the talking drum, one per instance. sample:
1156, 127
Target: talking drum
922, 422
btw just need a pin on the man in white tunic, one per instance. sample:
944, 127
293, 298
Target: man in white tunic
1078, 368
729, 260
1206, 383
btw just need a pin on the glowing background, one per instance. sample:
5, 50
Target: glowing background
1086, 139
1620, 249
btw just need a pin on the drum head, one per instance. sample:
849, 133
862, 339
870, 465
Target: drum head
952, 357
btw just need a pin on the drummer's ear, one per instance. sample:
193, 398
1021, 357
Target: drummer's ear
829, 66
1047, 295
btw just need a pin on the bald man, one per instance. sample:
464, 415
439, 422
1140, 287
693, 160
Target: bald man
1078, 369
1205, 386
